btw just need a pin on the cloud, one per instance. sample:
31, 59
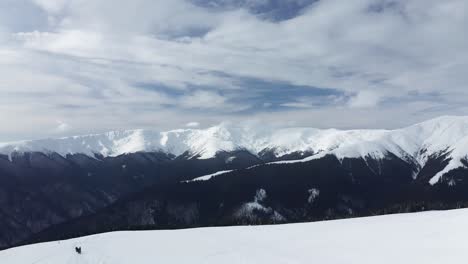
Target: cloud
85, 62
192, 124
203, 100
364, 99
51, 6
62, 127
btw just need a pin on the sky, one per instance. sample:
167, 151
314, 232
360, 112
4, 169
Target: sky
87, 66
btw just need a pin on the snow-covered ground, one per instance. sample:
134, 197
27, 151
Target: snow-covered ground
209, 176
428, 237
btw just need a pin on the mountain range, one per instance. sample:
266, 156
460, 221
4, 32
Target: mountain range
226, 175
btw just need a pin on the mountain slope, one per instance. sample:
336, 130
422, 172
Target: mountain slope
429, 237
61, 188
38, 190
325, 188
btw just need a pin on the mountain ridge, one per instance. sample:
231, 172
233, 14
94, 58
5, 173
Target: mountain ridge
414, 144
45, 195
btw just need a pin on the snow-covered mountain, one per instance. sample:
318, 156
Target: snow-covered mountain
204, 143
56, 188
429, 237
414, 144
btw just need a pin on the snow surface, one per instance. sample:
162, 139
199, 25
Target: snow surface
209, 176
415, 144
428, 237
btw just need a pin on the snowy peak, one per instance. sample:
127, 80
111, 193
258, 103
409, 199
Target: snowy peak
416, 143
202, 142
440, 134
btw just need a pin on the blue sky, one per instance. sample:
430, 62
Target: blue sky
85, 66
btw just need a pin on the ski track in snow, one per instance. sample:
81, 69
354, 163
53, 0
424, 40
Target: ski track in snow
209, 176
427, 237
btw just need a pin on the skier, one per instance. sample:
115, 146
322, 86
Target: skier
78, 250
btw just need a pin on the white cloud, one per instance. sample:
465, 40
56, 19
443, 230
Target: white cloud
203, 99
364, 99
62, 127
52, 6
192, 124
84, 60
